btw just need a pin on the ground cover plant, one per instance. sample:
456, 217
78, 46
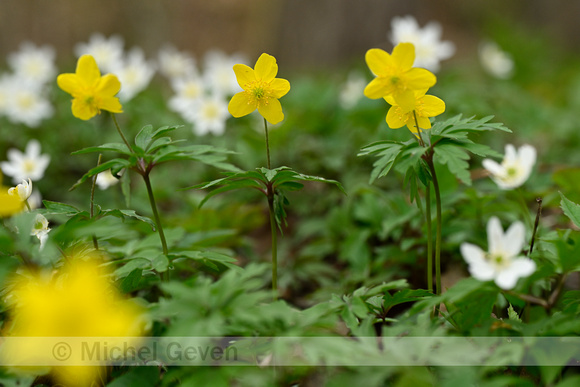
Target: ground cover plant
398, 223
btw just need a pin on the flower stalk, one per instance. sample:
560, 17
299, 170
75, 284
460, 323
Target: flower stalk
92, 204
273, 231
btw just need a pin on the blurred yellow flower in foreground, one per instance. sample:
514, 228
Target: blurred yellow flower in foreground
78, 301
9, 204
91, 92
261, 90
396, 76
425, 106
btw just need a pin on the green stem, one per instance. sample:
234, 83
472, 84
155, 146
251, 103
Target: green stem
267, 143
429, 160
155, 213
27, 205
121, 132
92, 204
274, 233
429, 238
536, 223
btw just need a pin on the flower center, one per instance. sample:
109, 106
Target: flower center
258, 92
498, 260
28, 166
210, 111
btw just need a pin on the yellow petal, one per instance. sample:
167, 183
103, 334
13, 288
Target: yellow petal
432, 106
379, 62
88, 70
418, 79
9, 205
240, 105
111, 104
406, 100
378, 88
404, 55
279, 87
69, 83
272, 111
108, 86
424, 123
83, 110
395, 118
390, 100
244, 75
266, 68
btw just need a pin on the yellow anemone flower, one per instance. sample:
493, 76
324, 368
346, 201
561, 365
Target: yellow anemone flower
77, 301
91, 92
261, 90
423, 107
395, 74
9, 204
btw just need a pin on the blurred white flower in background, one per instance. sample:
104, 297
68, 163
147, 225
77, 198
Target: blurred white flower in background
429, 48
218, 72
352, 90
175, 64
503, 262
188, 93
108, 52
209, 115
496, 62
27, 103
34, 64
515, 168
134, 73
106, 179
21, 166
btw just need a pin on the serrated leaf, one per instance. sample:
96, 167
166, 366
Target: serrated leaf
512, 314
571, 209
160, 263
387, 152
143, 138
455, 159
457, 127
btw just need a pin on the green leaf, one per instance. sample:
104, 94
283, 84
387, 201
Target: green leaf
128, 213
571, 209
455, 158
131, 282
144, 137
58, 208
458, 128
512, 314
387, 151
114, 165
126, 187
114, 147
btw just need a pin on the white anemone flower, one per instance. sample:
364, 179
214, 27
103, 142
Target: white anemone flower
502, 263
429, 48
22, 190
30, 164
134, 73
219, 74
189, 92
495, 61
515, 168
106, 179
27, 104
40, 229
176, 64
35, 64
108, 53
209, 115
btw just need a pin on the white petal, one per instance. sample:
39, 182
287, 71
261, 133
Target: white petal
14, 155
482, 271
514, 239
494, 236
519, 268
472, 253
510, 154
33, 149
493, 167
